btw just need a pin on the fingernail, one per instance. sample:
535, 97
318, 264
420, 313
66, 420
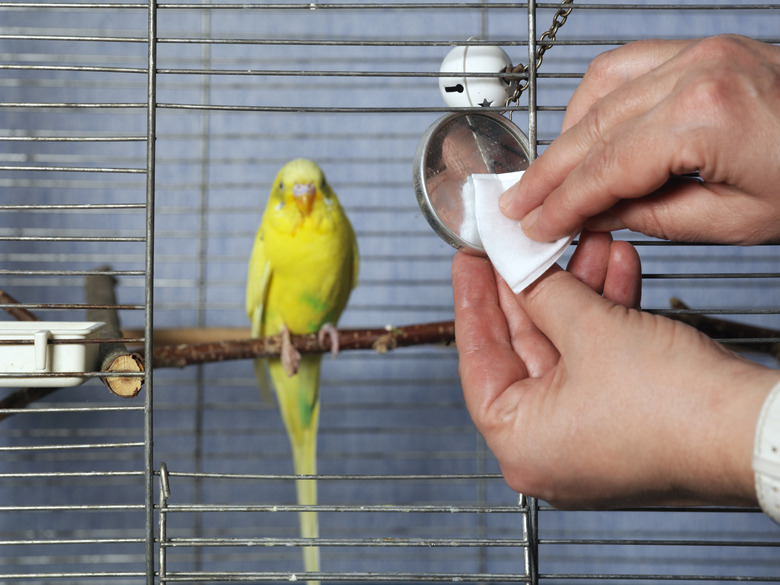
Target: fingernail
605, 222
529, 221
505, 200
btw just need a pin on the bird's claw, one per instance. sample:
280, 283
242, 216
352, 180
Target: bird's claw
329, 330
290, 356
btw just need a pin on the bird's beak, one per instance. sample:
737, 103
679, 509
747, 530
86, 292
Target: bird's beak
304, 197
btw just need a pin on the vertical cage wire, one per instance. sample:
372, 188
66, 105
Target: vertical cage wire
75, 159
715, 545
148, 331
199, 104
365, 79
396, 503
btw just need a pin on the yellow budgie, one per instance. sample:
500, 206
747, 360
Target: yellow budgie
303, 267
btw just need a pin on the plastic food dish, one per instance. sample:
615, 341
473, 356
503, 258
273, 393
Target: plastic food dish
35, 355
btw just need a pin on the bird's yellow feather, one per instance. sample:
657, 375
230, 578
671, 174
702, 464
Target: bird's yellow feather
303, 266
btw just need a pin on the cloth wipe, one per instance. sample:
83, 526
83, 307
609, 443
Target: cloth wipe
468, 228
517, 258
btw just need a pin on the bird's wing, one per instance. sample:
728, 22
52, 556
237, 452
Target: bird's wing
355, 258
258, 279
352, 239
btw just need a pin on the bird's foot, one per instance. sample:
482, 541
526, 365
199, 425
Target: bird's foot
329, 330
289, 355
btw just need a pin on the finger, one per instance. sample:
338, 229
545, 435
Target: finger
676, 194
591, 258
693, 211
488, 363
609, 268
613, 69
563, 308
536, 351
637, 158
623, 279
570, 149
627, 151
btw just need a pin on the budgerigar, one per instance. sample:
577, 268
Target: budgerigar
304, 265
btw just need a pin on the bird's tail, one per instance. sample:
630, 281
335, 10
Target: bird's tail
300, 406
261, 375
305, 459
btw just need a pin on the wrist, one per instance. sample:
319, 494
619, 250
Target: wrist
728, 429
766, 455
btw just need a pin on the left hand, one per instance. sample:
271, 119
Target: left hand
587, 402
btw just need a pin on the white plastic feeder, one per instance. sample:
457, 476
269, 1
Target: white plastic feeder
41, 357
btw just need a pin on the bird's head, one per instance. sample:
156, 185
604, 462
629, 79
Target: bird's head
301, 183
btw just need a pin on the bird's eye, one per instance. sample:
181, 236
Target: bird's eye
281, 186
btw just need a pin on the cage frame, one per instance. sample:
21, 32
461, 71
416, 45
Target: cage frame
157, 481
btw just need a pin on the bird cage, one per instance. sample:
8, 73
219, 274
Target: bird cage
138, 144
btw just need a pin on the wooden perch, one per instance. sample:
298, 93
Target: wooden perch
22, 398
187, 335
18, 313
744, 337
177, 349
112, 356
379, 340
180, 353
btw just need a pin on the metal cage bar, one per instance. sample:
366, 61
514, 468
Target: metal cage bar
151, 158
168, 544
74, 475
185, 111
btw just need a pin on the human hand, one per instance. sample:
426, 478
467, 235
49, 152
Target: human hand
587, 402
645, 114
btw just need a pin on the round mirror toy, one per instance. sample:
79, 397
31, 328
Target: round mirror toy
466, 160
453, 149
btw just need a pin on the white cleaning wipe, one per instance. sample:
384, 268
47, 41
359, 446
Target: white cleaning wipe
518, 259
468, 228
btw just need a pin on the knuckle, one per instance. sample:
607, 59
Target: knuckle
614, 65
722, 72
593, 122
602, 67
717, 49
709, 96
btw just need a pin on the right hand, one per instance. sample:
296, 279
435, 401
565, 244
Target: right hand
648, 112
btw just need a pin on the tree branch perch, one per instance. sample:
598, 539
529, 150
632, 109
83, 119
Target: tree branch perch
380, 340
744, 337
178, 351
112, 356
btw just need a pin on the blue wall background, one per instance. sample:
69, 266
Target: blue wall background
294, 81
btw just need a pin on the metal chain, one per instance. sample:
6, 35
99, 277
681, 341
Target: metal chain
549, 35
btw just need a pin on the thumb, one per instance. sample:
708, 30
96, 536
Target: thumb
564, 308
